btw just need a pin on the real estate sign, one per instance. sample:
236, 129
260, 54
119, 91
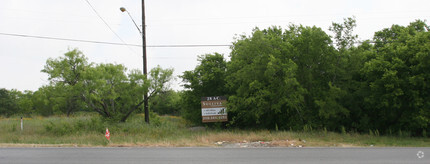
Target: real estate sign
214, 109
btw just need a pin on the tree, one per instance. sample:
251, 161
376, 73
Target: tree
398, 76
352, 81
8, 104
344, 36
66, 74
112, 93
46, 101
342, 66
159, 80
262, 80
298, 78
24, 102
105, 88
207, 79
315, 58
166, 103
345, 39
161, 98
116, 95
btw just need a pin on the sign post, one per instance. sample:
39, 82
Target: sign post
214, 109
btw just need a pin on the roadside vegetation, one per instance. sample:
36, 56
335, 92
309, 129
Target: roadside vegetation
301, 76
297, 84
88, 129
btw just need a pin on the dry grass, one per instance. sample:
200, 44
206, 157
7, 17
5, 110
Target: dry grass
88, 131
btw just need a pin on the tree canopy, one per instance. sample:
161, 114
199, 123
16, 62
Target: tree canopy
301, 77
207, 79
77, 85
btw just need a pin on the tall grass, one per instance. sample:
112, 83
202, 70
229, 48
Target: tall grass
88, 130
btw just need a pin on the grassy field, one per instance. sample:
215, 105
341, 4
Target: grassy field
87, 130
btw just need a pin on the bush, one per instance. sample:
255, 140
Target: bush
74, 125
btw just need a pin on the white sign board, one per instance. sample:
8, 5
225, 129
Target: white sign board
214, 111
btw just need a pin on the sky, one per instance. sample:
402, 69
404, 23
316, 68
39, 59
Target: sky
168, 22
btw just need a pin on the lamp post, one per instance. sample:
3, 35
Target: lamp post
125, 10
145, 71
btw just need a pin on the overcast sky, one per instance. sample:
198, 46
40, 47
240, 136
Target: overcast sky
169, 22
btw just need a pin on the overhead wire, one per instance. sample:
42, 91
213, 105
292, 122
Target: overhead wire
101, 18
152, 46
67, 39
113, 43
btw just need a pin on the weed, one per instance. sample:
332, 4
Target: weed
342, 129
13, 128
307, 128
377, 132
89, 129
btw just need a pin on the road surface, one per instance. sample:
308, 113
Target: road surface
214, 155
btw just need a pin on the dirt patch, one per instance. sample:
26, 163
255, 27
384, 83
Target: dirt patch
257, 144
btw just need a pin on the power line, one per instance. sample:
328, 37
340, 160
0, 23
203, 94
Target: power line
152, 46
66, 39
109, 26
95, 11
118, 44
189, 45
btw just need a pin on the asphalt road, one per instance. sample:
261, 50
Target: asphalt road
213, 155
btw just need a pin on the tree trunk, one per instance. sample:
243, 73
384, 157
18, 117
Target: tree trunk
131, 111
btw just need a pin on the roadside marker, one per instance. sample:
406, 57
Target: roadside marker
107, 135
22, 126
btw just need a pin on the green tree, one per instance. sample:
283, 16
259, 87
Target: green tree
343, 65
159, 80
46, 101
287, 78
262, 81
166, 103
316, 59
116, 95
398, 77
15, 102
65, 73
345, 40
207, 79
104, 88
112, 93
24, 102
353, 82
8, 103
344, 37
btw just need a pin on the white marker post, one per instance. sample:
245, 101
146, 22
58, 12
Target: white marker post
22, 127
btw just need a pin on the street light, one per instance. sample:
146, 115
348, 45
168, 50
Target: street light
124, 10
143, 34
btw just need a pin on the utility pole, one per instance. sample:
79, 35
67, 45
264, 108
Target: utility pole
145, 71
